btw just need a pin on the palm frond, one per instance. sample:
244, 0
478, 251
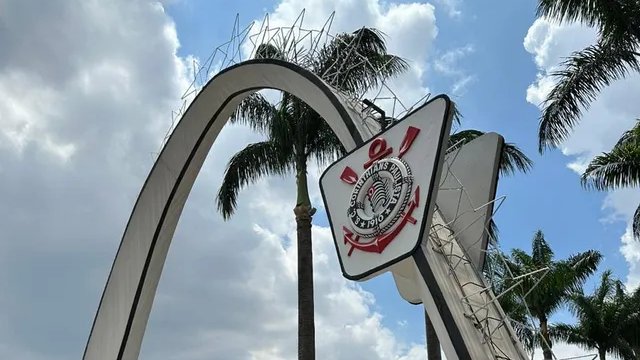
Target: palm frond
580, 267
636, 224
615, 169
282, 127
632, 135
572, 10
356, 62
541, 253
248, 166
464, 137
456, 114
528, 337
256, 112
612, 18
493, 232
589, 12
607, 320
584, 74
571, 334
584, 307
523, 261
322, 143
607, 286
512, 160
269, 51
623, 350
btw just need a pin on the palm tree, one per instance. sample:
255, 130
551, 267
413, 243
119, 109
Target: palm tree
296, 134
513, 159
586, 72
632, 331
545, 292
618, 168
605, 320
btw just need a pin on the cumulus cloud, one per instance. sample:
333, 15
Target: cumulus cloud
451, 7
448, 65
86, 92
614, 112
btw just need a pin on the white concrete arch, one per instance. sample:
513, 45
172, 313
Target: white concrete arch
126, 302
127, 299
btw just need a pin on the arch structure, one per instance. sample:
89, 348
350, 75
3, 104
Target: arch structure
123, 312
120, 322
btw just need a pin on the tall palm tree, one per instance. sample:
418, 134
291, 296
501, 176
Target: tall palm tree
586, 72
605, 320
296, 134
545, 292
618, 168
512, 160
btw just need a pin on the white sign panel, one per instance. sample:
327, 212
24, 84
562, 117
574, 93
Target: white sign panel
380, 197
474, 166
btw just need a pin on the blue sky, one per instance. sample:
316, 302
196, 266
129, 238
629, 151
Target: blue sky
86, 92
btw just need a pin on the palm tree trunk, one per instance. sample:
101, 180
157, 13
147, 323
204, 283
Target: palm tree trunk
306, 327
546, 344
603, 354
433, 343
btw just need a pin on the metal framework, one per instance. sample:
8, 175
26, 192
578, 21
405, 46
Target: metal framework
300, 46
478, 295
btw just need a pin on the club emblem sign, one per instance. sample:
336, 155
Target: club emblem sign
380, 204
373, 195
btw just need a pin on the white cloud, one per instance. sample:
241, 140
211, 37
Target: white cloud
550, 42
614, 112
630, 249
86, 90
448, 65
452, 7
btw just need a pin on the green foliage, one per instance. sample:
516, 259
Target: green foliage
249, 165
582, 77
355, 74
586, 72
544, 291
608, 320
295, 132
615, 169
513, 159
618, 168
497, 272
548, 290
614, 19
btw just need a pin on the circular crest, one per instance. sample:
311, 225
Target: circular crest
379, 197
